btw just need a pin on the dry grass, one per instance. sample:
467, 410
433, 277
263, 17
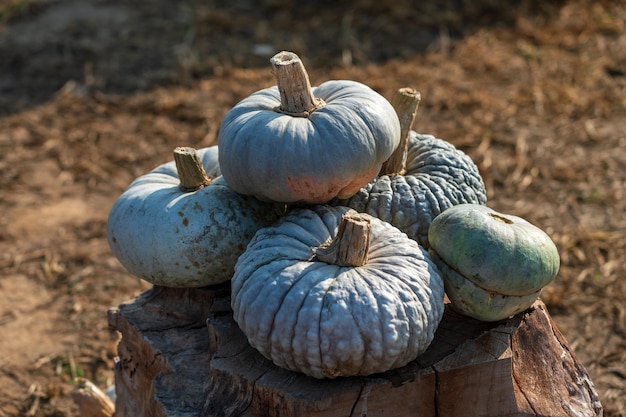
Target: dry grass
539, 103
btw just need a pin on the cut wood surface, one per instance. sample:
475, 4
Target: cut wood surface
181, 354
91, 401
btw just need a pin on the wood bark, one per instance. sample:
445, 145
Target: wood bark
181, 354
162, 356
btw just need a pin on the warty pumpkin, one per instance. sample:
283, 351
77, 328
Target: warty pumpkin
297, 143
180, 225
438, 176
330, 292
433, 177
494, 265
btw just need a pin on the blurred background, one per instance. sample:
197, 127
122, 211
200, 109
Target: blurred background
94, 93
121, 46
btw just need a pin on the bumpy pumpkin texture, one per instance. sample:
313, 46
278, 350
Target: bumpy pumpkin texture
176, 238
328, 320
494, 265
437, 177
330, 148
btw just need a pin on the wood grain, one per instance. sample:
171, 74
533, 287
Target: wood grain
181, 354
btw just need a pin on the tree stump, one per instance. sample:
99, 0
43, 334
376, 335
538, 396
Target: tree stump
181, 354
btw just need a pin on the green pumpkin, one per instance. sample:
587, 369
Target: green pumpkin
494, 265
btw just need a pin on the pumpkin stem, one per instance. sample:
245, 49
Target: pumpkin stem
296, 95
405, 102
351, 245
190, 169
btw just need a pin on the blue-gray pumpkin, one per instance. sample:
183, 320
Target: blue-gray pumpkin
293, 143
178, 237
325, 317
437, 176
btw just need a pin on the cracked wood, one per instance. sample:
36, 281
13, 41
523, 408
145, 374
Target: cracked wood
516, 367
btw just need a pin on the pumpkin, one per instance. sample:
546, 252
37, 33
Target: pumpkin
438, 176
184, 230
296, 143
434, 176
330, 292
494, 265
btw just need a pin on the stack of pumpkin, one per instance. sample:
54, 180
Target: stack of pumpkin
328, 254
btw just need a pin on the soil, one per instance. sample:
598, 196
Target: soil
95, 93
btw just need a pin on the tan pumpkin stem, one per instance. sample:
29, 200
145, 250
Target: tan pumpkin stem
405, 102
296, 94
191, 172
351, 245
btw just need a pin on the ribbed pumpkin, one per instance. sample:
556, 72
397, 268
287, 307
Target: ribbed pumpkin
494, 265
435, 176
330, 292
184, 230
438, 176
294, 143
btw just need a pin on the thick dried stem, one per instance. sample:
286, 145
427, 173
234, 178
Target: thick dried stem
191, 172
296, 94
405, 102
351, 245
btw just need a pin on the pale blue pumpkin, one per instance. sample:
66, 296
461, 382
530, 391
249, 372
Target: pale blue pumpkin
176, 238
326, 319
437, 177
312, 156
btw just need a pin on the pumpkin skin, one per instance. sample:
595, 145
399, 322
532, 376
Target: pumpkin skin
173, 238
437, 177
473, 301
327, 320
331, 153
494, 265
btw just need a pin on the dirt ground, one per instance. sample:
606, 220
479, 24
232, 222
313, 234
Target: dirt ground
95, 93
